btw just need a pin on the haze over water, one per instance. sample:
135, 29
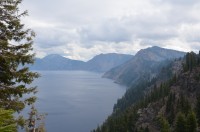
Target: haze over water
76, 101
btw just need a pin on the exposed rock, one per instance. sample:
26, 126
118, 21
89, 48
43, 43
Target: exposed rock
145, 61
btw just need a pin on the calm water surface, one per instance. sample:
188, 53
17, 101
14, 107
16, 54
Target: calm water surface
76, 101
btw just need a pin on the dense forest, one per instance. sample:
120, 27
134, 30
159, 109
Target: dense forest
168, 102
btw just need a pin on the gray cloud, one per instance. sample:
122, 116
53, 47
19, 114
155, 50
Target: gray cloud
110, 31
181, 2
80, 30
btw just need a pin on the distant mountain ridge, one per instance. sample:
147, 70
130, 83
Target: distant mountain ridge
104, 62
56, 62
156, 53
123, 68
99, 63
145, 61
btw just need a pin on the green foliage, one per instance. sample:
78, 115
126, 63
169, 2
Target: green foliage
191, 61
131, 96
177, 115
146, 129
35, 121
191, 122
170, 107
164, 125
198, 109
183, 104
124, 120
181, 123
157, 93
136, 92
119, 123
7, 122
15, 54
125, 113
186, 124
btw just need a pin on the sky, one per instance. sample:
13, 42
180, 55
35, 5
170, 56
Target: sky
81, 29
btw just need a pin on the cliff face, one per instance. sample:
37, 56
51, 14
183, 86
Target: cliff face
145, 61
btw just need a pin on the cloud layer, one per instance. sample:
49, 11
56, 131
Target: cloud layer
81, 29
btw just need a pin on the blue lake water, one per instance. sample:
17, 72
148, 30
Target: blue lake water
76, 101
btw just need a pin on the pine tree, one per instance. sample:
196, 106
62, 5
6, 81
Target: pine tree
164, 124
180, 123
98, 129
146, 129
198, 59
184, 105
191, 122
192, 60
7, 122
15, 53
35, 121
198, 109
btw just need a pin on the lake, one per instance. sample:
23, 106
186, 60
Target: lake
76, 101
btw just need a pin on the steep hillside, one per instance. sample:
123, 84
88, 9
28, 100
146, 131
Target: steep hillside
182, 99
145, 61
163, 105
105, 62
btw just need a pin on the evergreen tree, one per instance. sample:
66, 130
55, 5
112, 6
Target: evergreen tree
170, 108
180, 125
184, 105
198, 110
35, 121
164, 125
191, 122
98, 129
146, 129
192, 60
15, 53
7, 122
198, 60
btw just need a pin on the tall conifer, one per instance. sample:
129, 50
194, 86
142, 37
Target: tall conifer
15, 54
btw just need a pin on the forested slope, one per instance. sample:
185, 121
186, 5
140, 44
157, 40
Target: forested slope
170, 102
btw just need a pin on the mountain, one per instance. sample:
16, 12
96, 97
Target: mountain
145, 61
161, 105
57, 62
99, 63
105, 62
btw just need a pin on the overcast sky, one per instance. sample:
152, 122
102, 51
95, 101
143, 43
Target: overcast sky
80, 29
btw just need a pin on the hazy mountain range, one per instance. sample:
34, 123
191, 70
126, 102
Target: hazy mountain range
119, 66
99, 63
